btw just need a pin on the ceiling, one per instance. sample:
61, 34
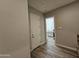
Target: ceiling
48, 5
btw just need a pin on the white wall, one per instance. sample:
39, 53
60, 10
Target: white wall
36, 12
67, 25
14, 28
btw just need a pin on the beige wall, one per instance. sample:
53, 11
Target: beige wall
67, 25
14, 30
36, 12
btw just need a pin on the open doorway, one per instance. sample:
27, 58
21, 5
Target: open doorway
50, 30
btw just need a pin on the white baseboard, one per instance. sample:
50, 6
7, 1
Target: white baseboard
42, 43
38, 45
67, 47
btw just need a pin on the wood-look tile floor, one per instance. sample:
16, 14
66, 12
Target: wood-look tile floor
50, 50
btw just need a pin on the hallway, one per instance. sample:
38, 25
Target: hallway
66, 28
50, 50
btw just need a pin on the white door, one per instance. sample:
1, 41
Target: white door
35, 30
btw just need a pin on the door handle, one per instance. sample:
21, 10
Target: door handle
33, 36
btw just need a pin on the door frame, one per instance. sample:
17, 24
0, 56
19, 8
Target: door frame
45, 27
